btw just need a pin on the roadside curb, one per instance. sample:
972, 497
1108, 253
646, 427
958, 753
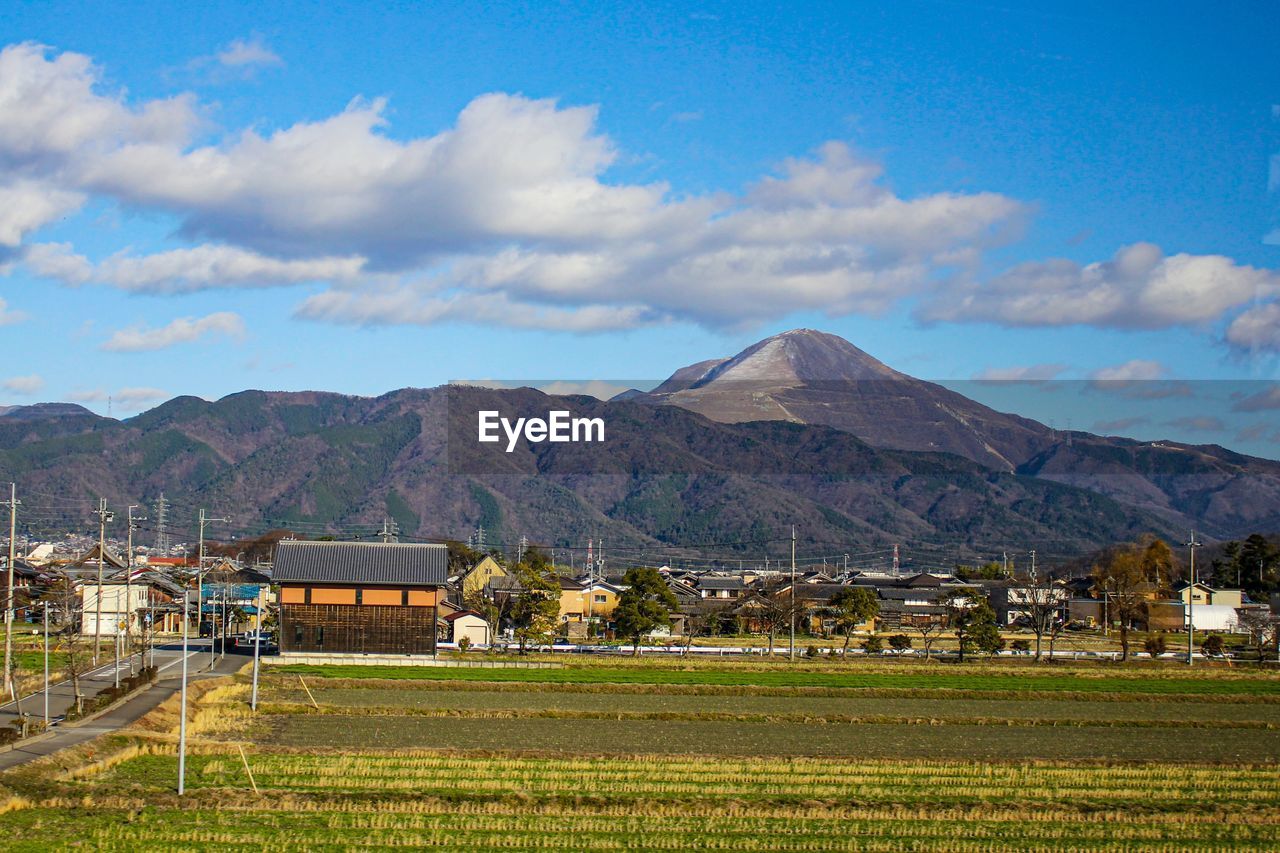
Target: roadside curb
75, 724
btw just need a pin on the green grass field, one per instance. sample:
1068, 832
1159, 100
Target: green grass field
864, 676
661, 756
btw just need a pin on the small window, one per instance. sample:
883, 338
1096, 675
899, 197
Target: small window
320, 637
359, 596
297, 635
404, 597
601, 599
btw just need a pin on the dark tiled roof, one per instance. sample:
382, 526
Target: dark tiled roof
361, 562
720, 583
891, 593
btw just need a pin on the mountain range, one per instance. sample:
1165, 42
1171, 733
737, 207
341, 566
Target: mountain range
801, 428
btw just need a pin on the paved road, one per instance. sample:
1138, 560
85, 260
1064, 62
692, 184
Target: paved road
169, 663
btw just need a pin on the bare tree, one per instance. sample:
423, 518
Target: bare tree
1122, 579
490, 611
930, 631
63, 597
1264, 632
699, 620
1041, 600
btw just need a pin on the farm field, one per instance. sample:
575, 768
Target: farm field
722, 762
867, 675
435, 697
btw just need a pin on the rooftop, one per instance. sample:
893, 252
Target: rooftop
370, 563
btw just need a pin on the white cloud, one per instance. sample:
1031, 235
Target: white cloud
1136, 370
187, 270
1139, 379
248, 52
179, 331
1119, 425
24, 385
26, 206
53, 123
507, 209
1139, 288
1260, 401
509, 217
1198, 423
7, 316
1257, 329
1030, 373
406, 306
128, 399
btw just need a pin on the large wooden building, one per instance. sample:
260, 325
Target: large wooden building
359, 597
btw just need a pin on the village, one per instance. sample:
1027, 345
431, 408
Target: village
330, 600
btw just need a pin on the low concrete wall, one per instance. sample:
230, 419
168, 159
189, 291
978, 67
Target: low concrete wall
399, 660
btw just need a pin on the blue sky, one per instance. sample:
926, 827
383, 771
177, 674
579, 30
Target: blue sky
364, 197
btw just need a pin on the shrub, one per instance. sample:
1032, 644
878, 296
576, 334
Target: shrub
1021, 645
872, 645
1155, 645
899, 642
811, 652
1212, 645
464, 643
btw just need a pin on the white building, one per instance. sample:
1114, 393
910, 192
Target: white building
118, 603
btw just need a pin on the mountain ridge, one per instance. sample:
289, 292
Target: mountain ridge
322, 459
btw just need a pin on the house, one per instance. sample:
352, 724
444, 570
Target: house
719, 586
475, 580
586, 601
573, 605
241, 594
470, 625
359, 597
813, 601
123, 605
26, 577
1197, 594
911, 608
1203, 594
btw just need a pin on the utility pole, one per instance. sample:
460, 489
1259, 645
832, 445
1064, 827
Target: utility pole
10, 687
1192, 545
46, 665
204, 519
896, 564
128, 588
103, 517
182, 714
390, 531
792, 608
1033, 566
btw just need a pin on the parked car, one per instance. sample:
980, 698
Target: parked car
244, 643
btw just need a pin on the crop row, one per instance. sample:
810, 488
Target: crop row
675, 778
161, 829
931, 680
753, 700
302, 707
408, 683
